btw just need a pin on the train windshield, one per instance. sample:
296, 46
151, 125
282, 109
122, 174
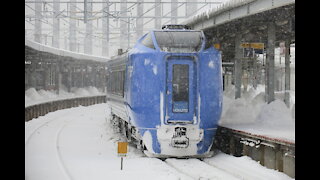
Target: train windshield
179, 41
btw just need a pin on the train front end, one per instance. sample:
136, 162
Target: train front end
178, 112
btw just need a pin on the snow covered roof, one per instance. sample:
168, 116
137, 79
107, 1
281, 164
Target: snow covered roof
61, 52
235, 9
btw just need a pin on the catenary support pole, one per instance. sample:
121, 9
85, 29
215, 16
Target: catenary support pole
38, 23
72, 27
123, 25
191, 7
56, 24
174, 11
105, 28
89, 29
139, 21
157, 11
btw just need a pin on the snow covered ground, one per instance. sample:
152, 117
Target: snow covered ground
252, 114
35, 97
78, 143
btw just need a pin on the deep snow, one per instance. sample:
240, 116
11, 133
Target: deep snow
252, 114
78, 143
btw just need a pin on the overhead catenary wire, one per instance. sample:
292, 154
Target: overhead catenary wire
127, 16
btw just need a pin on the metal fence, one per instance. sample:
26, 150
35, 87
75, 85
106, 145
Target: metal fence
42, 109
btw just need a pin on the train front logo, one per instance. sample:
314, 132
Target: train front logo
165, 94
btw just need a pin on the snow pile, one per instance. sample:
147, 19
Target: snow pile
239, 112
80, 92
275, 114
252, 114
32, 96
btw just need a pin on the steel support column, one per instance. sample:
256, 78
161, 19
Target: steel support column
255, 73
287, 74
238, 66
270, 62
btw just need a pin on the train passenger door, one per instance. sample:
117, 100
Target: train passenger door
181, 88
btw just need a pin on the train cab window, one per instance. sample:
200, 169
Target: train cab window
179, 41
147, 41
180, 88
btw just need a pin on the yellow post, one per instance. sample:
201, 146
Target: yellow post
122, 151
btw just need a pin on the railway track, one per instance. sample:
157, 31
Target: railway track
48, 135
42, 123
223, 166
187, 167
50, 141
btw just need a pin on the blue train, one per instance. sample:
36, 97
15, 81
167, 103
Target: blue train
165, 94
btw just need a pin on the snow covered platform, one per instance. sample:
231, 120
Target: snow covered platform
273, 153
251, 115
265, 132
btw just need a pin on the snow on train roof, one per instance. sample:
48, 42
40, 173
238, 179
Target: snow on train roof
61, 52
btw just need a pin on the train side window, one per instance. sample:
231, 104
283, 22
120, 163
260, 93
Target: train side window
147, 41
